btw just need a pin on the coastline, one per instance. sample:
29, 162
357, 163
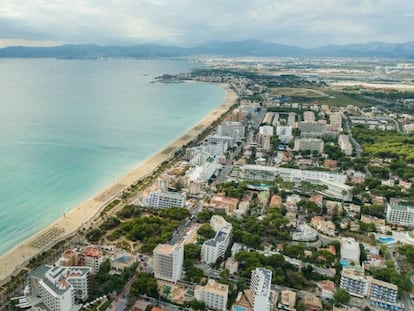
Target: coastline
85, 212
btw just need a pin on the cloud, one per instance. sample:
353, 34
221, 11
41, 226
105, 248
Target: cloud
191, 22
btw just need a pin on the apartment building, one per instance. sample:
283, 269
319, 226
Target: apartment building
311, 144
215, 248
168, 262
165, 199
354, 281
236, 130
57, 287
213, 294
400, 214
261, 281
312, 129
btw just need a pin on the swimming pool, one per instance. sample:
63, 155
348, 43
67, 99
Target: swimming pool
386, 239
237, 308
344, 263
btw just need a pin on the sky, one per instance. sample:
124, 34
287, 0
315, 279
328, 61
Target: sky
305, 23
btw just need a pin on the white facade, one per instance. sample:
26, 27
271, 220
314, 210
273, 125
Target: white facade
168, 262
215, 248
219, 139
335, 121
399, 214
284, 133
165, 199
213, 294
260, 285
204, 166
57, 287
235, 130
312, 129
265, 134
345, 144
312, 144
354, 281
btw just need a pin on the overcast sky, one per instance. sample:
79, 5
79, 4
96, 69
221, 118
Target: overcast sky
306, 23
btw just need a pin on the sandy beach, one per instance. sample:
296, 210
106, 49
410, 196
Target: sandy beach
85, 212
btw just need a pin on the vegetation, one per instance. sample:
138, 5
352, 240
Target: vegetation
104, 283
385, 144
341, 296
145, 284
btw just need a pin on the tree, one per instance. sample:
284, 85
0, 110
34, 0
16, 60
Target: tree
206, 231
192, 251
197, 305
341, 296
145, 284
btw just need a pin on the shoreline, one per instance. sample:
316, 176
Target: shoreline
82, 214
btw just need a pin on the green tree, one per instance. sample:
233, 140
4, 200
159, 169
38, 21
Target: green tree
341, 296
192, 251
197, 305
145, 284
206, 231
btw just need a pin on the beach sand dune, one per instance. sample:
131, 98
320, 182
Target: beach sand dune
81, 215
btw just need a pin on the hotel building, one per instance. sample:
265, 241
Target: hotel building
165, 199
400, 214
168, 262
213, 294
57, 287
261, 281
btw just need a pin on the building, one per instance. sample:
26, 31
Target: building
92, 257
345, 144
228, 204
383, 294
260, 283
265, 135
285, 133
215, 248
326, 227
350, 252
168, 262
400, 214
312, 129
308, 116
165, 199
57, 287
218, 223
335, 121
354, 281
204, 165
232, 265
258, 172
311, 144
287, 300
232, 129
311, 302
334, 182
218, 139
327, 289
213, 294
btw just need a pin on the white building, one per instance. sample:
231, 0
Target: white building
218, 223
57, 287
165, 199
354, 281
350, 251
258, 172
335, 121
168, 262
400, 214
312, 129
235, 130
383, 294
285, 133
217, 149
334, 182
93, 257
265, 134
215, 248
345, 144
213, 294
219, 139
312, 144
261, 281
204, 167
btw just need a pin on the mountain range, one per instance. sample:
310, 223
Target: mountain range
216, 48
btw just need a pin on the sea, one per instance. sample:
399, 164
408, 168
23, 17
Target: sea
69, 128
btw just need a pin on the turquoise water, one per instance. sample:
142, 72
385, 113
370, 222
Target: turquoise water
69, 128
385, 239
